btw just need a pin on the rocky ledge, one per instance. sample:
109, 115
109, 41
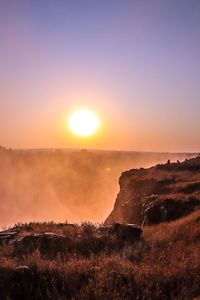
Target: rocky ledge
158, 194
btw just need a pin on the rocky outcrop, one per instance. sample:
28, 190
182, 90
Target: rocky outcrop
166, 209
126, 232
158, 194
7, 235
49, 244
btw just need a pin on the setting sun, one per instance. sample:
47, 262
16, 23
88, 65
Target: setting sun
83, 123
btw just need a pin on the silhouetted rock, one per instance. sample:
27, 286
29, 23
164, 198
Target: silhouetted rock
7, 235
158, 194
126, 232
49, 244
104, 229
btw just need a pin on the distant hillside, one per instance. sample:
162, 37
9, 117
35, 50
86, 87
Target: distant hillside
158, 194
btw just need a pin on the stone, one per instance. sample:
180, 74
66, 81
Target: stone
7, 235
49, 244
126, 232
104, 229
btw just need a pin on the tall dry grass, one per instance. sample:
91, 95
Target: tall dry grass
164, 264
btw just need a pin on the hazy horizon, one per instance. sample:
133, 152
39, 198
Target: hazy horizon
96, 149
74, 185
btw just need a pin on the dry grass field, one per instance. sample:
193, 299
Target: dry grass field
81, 262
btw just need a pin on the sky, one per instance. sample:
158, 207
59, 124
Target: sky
135, 63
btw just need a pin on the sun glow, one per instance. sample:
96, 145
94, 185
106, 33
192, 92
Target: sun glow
83, 123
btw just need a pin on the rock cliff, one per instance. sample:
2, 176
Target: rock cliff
158, 194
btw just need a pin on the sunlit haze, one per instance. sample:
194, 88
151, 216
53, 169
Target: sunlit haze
135, 63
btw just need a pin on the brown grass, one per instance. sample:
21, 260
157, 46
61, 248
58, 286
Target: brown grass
164, 264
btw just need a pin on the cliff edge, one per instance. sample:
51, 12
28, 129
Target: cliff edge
158, 194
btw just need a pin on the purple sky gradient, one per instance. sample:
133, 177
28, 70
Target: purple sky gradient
136, 63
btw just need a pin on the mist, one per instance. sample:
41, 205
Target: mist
61, 185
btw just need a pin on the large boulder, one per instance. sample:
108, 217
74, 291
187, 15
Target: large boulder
126, 232
49, 244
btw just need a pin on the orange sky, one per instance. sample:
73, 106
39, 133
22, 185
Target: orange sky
136, 65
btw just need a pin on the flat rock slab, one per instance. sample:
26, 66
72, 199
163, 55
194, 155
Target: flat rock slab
11, 233
6, 235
